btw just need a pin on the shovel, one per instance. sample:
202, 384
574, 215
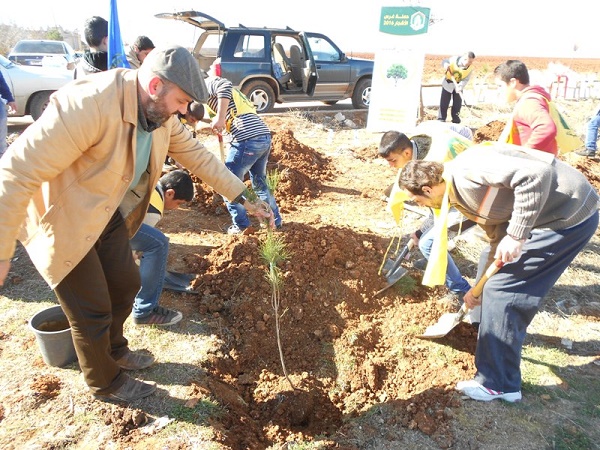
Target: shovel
179, 282
393, 271
448, 321
462, 96
218, 198
221, 147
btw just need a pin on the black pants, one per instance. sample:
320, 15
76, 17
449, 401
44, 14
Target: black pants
513, 296
97, 296
445, 102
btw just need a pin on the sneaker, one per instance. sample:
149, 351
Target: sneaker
131, 391
420, 264
477, 391
134, 361
590, 153
159, 316
234, 229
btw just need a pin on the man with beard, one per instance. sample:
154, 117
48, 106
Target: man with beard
76, 185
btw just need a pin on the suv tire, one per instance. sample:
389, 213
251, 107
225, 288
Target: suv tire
38, 104
261, 94
361, 97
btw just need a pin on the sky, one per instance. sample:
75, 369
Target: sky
507, 27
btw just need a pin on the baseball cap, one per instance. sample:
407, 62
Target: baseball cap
177, 65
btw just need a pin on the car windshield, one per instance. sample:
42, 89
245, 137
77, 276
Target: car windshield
39, 47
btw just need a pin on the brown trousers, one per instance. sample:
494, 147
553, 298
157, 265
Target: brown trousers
97, 297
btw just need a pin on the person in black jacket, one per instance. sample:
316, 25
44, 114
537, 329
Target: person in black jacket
96, 58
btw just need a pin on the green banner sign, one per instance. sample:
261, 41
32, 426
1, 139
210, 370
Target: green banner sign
404, 20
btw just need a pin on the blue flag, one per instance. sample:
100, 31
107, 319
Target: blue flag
116, 51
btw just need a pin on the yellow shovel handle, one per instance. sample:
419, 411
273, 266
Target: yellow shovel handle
221, 147
491, 270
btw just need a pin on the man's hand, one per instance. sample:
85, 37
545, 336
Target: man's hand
470, 300
218, 125
416, 237
509, 249
261, 210
12, 107
4, 268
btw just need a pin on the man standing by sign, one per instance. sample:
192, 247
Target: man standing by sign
457, 74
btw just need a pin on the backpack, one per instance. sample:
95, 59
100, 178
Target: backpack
567, 139
243, 105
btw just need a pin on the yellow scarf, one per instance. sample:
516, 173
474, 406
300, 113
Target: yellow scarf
435, 273
396, 200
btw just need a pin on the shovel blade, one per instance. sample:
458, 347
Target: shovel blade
393, 279
387, 265
444, 325
179, 278
179, 282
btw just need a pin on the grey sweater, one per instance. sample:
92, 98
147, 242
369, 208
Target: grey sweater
511, 190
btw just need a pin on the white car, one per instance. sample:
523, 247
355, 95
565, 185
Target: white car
32, 86
33, 52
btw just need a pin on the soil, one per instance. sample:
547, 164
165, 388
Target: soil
347, 351
345, 348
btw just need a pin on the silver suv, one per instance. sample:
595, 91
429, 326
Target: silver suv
272, 65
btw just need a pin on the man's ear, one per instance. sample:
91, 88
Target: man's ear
426, 190
170, 194
153, 85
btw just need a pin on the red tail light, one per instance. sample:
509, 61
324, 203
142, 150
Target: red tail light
217, 68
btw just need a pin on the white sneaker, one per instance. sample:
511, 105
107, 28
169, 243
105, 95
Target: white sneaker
234, 229
477, 391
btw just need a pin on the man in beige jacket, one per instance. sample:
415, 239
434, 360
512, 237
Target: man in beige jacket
75, 186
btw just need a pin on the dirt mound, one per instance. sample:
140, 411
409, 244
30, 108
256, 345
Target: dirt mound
330, 314
302, 169
46, 386
489, 132
345, 349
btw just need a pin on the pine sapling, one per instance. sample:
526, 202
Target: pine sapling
273, 251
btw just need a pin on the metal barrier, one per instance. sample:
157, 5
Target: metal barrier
557, 83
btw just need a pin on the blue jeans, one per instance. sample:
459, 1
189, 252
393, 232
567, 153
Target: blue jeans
155, 246
512, 297
3, 127
454, 279
251, 156
592, 132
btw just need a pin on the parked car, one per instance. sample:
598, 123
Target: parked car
272, 65
32, 52
32, 86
